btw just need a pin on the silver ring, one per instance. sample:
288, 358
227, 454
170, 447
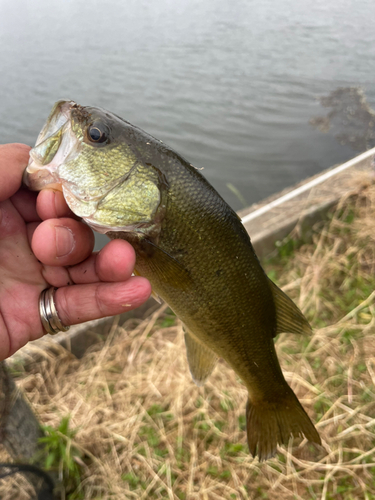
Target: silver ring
48, 312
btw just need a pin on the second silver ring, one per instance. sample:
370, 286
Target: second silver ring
48, 312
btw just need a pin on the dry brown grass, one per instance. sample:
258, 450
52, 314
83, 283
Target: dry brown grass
145, 431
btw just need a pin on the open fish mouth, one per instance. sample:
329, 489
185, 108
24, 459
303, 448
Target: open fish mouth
54, 145
66, 157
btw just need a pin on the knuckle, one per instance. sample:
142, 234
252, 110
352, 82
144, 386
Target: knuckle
100, 301
62, 306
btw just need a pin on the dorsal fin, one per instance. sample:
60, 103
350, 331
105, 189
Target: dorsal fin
288, 317
201, 359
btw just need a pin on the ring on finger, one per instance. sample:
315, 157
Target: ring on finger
48, 312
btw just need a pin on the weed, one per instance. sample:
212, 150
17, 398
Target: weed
61, 454
242, 422
132, 480
169, 319
287, 246
150, 434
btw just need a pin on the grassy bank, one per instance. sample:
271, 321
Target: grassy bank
129, 422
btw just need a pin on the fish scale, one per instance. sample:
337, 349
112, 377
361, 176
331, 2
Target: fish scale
193, 249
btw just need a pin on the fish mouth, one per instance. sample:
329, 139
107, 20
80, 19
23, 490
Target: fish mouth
54, 145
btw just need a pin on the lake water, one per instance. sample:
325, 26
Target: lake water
231, 85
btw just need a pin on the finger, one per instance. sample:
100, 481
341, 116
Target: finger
62, 242
51, 204
80, 303
84, 272
115, 262
13, 161
56, 276
25, 202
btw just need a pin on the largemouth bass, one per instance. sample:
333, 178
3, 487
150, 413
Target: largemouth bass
190, 245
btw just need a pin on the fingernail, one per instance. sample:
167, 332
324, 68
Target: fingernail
65, 242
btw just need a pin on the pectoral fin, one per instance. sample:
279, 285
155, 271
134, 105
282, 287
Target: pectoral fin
201, 359
167, 268
289, 318
154, 295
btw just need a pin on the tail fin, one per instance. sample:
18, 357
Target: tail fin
273, 423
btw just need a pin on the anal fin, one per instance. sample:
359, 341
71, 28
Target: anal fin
201, 359
289, 319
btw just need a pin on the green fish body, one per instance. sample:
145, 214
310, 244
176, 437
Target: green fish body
191, 246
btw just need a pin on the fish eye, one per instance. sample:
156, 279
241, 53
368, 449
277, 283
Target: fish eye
98, 133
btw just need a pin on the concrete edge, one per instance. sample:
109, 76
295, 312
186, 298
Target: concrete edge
78, 338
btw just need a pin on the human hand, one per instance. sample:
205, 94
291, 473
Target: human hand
42, 244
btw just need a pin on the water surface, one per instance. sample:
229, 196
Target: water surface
231, 85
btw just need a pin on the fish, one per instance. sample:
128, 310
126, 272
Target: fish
191, 246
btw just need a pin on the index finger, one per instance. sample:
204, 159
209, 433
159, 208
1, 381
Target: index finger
13, 161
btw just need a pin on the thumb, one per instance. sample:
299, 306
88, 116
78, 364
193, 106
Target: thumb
13, 161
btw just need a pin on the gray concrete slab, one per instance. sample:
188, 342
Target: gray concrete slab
303, 204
